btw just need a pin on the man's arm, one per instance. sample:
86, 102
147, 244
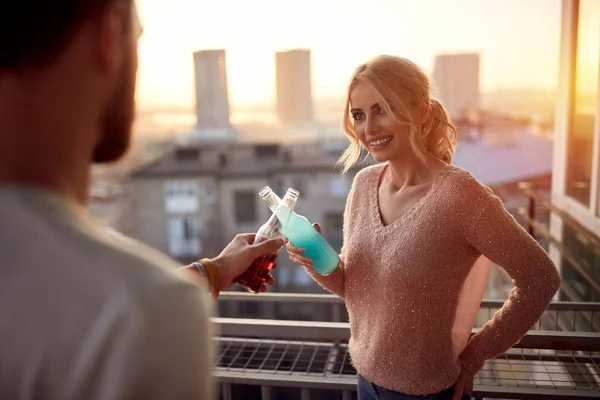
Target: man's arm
218, 273
161, 349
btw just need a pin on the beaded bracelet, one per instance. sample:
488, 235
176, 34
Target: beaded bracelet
209, 272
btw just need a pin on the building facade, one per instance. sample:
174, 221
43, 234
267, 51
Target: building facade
212, 94
293, 86
456, 83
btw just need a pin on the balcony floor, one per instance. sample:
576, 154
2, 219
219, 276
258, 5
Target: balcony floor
537, 373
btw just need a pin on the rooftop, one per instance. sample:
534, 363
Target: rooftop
521, 156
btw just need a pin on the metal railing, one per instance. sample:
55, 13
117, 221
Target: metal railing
535, 202
558, 359
549, 362
559, 316
314, 356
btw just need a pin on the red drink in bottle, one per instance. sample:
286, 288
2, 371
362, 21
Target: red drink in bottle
256, 275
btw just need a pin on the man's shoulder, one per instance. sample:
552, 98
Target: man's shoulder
56, 245
51, 241
120, 261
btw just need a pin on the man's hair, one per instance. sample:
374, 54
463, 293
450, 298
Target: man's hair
34, 32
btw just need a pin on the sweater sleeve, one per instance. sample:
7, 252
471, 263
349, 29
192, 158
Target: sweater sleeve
493, 232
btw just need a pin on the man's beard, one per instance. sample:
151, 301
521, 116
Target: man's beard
117, 120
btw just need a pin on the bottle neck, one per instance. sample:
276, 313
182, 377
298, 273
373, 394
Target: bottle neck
290, 199
270, 197
274, 201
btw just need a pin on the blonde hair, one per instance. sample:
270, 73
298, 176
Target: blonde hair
400, 85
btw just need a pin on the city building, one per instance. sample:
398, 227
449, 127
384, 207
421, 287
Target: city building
293, 86
212, 95
197, 197
456, 83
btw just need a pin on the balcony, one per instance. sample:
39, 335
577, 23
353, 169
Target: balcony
282, 359
559, 358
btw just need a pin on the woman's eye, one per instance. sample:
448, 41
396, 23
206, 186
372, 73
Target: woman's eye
358, 116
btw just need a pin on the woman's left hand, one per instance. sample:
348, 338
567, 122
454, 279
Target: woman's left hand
464, 385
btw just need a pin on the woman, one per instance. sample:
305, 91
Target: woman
414, 227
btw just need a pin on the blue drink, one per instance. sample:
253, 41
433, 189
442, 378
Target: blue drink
301, 233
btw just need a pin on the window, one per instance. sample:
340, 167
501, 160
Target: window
245, 207
187, 154
581, 135
184, 236
588, 256
263, 151
300, 183
181, 196
333, 230
222, 160
339, 186
277, 185
210, 192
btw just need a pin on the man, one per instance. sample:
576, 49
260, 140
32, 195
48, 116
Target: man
85, 314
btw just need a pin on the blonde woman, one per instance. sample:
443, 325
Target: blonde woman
415, 230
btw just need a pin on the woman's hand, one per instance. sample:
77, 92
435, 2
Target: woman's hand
464, 385
295, 253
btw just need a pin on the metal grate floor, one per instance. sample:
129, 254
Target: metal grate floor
549, 369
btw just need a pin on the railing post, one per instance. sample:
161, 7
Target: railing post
531, 214
527, 187
226, 391
265, 392
305, 394
337, 313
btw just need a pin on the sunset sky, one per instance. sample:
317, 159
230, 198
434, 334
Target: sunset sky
518, 41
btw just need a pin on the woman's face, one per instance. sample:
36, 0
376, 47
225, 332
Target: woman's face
383, 137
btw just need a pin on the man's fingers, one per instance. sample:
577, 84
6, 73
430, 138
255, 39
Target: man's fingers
268, 246
246, 237
270, 280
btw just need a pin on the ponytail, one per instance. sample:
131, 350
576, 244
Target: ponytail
438, 134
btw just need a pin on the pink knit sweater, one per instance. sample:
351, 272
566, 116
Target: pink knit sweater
403, 283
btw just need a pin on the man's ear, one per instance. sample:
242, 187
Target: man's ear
109, 37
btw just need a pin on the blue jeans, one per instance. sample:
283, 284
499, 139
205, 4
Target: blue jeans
370, 391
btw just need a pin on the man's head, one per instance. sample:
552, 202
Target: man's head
80, 58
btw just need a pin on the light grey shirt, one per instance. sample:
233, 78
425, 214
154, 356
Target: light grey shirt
86, 314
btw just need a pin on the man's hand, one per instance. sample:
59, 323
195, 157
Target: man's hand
237, 257
463, 386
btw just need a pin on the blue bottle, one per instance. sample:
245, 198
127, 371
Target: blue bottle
300, 232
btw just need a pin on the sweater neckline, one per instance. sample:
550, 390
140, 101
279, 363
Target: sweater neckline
374, 193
